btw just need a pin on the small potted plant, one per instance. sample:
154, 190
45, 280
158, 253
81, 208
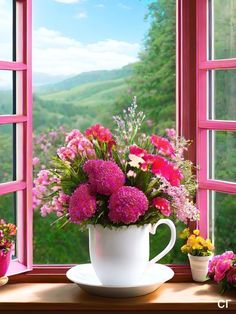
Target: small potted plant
199, 252
7, 234
222, 269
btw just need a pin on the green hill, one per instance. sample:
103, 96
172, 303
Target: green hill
88, 77
80, 101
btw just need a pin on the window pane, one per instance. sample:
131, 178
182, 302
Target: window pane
104, 75
223, 220
224, 26
6, 30
7, 207
8, 211
222, 102
6, 92
7, 151
222, 161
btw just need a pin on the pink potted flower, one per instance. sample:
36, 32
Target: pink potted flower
120, 187
222, 269
7, 233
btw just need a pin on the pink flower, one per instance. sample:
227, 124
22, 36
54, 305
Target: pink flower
66, 153
105, 177
221, 268
231, 276
228, 255
77, 144
100, 133
163, 205
35, 161
171, 133
162, 145
82, 205
73, 134
127, 205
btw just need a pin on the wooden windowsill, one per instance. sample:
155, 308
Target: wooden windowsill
69, 298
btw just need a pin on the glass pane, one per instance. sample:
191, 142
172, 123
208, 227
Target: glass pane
8, 211
222, 93
222, 163
7, 207
105, 76
6, 92
6, 153
223, 221
6, 30
224, 29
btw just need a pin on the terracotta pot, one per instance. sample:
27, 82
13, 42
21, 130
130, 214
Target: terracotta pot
4, 262
199, 267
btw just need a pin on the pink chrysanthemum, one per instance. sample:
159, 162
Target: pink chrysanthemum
127, 205
105, 177
82, 204
163, 145
163, 205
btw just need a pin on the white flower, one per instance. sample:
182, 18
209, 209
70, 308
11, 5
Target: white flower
131, 174
135, 161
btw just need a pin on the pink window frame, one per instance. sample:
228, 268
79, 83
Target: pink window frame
191, 71
203, 124
23, 121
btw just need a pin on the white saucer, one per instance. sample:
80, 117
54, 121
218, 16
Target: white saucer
84, 276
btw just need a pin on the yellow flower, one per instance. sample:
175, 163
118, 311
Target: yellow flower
184, 234
186, 248
197, 246
191, 240
209, 245
196, 232
201, 241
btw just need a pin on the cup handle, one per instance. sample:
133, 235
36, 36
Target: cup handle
153, 228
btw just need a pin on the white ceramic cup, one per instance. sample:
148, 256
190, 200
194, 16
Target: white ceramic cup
120, 255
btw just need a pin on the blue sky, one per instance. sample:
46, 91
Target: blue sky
75, 36
93, 20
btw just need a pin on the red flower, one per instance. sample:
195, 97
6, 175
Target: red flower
163, 145
137, 151
163, 205
100, 133
168, 170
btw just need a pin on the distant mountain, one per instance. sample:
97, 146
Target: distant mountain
88, 77
40, 79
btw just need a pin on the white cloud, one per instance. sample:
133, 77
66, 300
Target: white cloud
56, 54
81, 15
123, 6
68, 1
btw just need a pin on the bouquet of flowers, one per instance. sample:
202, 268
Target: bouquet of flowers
118, 179
196, 245
7, 233
222, 269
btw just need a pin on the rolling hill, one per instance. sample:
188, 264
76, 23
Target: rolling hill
81, 100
